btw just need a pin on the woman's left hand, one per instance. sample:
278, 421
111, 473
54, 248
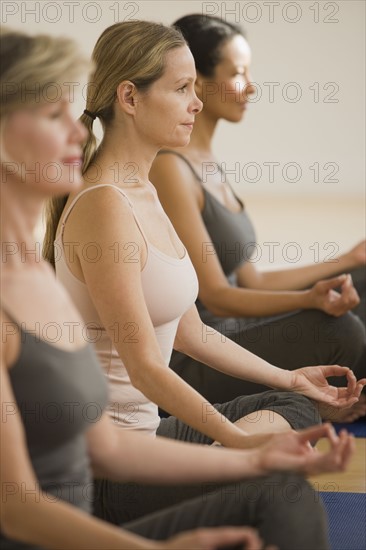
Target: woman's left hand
312, 382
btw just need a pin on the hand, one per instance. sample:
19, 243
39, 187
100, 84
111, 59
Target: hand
312, 382
357, 255
292, 451
324, 297
212, 538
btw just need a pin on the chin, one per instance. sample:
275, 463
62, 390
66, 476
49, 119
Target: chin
234, 117
233, 120
179, 142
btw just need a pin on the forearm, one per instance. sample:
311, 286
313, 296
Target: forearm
221, 353
56, 525
243, 302
302, 277
165, 388
175, 462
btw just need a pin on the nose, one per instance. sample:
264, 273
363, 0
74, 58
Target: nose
249, 88
196, 105
78, 131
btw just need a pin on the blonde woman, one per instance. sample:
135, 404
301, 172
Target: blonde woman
132, 280
54, 433
288, 317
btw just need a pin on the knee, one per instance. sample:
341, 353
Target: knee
296, 494
290, 498
299, 411
282, 494
348, 333
306, 412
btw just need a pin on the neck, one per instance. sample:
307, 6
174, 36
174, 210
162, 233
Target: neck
124, 158
20, 211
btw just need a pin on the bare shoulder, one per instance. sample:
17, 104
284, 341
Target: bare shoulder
170, 173
102, 211
103, 199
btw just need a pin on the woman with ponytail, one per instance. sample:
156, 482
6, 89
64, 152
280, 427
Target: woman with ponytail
133, 282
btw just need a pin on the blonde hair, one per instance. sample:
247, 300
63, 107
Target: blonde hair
131, 50
34, 70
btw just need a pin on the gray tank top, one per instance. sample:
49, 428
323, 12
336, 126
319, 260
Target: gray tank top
232, 233
59, 395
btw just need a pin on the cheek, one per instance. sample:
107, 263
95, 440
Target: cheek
31, 144
16, 144
235, 91
48, 146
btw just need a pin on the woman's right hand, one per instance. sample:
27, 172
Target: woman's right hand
216, 537
323, 295
293, 451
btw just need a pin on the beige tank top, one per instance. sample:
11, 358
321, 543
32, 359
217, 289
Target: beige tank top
170, 288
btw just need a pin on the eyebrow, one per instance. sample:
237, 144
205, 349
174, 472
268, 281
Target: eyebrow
189, 78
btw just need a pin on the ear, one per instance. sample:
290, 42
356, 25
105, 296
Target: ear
127, 96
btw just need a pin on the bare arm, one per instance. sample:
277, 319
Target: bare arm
121, 455
301, 277
212, 348
180, 198
209, 346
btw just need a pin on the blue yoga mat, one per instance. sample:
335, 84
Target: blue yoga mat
358, 428
347, 520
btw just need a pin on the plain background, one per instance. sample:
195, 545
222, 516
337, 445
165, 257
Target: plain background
298, 158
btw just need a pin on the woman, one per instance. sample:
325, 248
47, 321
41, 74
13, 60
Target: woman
54, 433
123, 271
268, 313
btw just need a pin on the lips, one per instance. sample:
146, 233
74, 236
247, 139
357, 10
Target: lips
76, 161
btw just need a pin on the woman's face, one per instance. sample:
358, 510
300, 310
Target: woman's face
44, 144
167, 110
225, 95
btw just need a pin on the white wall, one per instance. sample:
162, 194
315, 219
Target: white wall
318, 46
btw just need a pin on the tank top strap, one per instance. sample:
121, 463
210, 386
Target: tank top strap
75, 200
193, 170
197, 176
132, 209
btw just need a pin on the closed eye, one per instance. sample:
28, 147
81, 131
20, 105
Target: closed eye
56, 114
